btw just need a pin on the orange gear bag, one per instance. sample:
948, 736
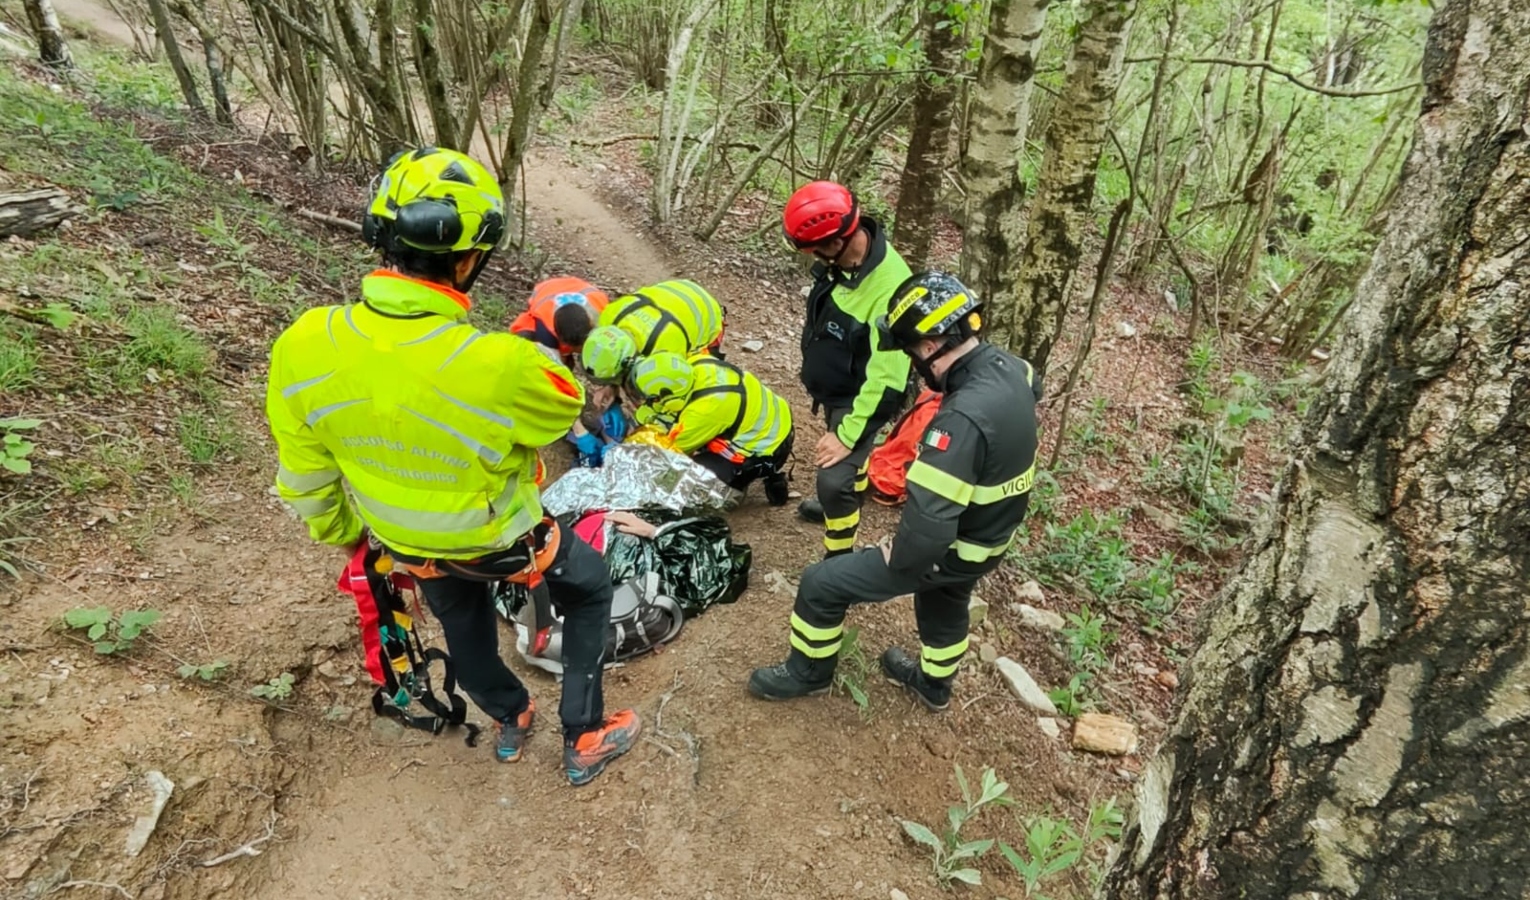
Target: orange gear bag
887, 470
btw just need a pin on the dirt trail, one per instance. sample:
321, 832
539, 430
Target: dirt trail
725, 798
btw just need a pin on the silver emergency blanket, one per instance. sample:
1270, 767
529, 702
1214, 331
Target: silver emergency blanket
639, 476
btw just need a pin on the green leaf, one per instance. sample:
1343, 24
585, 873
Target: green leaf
19, 466
106, 647
59, 315
1058, 863
134, 622
96, 632
921, 834
961, 782
186, 670
1026, 870
972, 848
86, 616
9, 569
19, 424
967, 876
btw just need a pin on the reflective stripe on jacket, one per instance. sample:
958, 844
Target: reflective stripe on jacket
969, 487
536, 323
397, 414
675, 316
730, 405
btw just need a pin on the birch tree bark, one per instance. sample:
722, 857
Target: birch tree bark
929, 140
50, 35
1356, 722
997, 121
1026, 307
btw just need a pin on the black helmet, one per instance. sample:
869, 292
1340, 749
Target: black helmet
929, 305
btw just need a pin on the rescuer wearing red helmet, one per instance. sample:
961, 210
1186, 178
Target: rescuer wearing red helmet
858, 385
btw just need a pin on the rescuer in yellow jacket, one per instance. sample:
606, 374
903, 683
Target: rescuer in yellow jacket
719, 415
396, 416
676, 316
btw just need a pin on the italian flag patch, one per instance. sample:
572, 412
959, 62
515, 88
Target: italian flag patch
937, 439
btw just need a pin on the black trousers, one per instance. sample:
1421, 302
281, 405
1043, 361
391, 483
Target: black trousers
580, 585
842, 488
739, 475
829, 588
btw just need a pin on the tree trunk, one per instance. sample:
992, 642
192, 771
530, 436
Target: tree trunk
524, 110
213, 55
1356, 720
1027, 312
934, 105
50, 35
166, 32
25, 213
997, 123
568, 21
427, 63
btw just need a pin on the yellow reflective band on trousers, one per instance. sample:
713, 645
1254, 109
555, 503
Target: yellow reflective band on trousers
942, 662
841, 523
815, 642
942, 484
978, 553
839, 532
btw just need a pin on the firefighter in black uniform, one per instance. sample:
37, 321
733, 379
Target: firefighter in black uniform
968, 490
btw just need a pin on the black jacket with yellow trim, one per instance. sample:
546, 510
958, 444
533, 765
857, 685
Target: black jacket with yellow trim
969, 487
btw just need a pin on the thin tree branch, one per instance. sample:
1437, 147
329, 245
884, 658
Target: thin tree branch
1276, 70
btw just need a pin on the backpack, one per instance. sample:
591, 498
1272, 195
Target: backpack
887, 470
642, 620
396, 659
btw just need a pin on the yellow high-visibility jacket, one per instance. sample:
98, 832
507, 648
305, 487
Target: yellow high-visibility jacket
675, 316
727, 411
396, 414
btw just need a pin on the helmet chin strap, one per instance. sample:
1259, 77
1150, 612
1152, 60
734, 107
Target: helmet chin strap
925, 366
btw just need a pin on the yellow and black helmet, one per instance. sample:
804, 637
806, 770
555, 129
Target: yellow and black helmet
434, 201
929, 306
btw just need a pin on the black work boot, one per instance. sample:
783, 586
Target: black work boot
810, 510
903, 670
797, 676
777, 490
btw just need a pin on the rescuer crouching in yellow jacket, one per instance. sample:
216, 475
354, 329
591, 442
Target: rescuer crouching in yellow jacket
719, 415
396, 416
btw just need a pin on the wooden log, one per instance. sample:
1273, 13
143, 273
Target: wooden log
25, 213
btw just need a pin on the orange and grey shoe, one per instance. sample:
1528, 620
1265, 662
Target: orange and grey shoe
587, 756
513, 734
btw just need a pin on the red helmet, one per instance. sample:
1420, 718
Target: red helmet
819, 212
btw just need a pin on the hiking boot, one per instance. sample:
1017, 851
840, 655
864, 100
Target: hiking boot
777, 490
513, 734
903, 670
588, 755
796, 676
810, 510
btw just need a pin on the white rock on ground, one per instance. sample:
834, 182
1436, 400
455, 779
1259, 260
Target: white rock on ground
1030, 592
896, 894
1126, 329
1099, 733
988, 653
1024, 686
160, 788
753, 346
977, 612
1039, 619
1049, 726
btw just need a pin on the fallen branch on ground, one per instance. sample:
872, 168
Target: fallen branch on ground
327, 219
248, 849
